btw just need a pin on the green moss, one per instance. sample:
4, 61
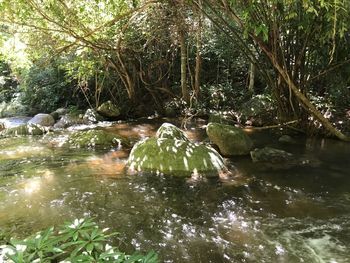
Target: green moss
230, 140
175, 157
25, 129
170, 131
108, 109
92, 138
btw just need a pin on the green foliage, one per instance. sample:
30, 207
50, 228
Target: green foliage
221, 96
46, 89
8, 83
129, 52
78, 241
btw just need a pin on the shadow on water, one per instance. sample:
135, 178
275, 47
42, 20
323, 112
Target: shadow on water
300, 214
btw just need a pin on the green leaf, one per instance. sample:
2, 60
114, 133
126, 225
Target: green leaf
89, 248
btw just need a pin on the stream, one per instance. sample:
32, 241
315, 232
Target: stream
300, 214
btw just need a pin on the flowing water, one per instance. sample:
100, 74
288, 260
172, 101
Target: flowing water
265, 215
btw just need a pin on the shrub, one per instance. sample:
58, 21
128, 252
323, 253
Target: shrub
8, 83
46, 89
78, 241
221, 96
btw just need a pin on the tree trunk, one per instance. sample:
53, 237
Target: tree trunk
307, 105
198, 54
184, 89
251, 78
282, 71
124, 74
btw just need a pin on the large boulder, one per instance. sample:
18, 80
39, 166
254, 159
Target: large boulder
95, 138
42, 119
230, 139
170, 131
108, 110
175, 157
68, 120
92, 116
25, 129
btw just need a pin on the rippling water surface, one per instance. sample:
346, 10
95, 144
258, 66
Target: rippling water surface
264, 215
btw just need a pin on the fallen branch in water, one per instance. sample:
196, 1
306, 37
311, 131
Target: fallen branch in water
271, 126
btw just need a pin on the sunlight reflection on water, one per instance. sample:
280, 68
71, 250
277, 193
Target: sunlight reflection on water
300, 215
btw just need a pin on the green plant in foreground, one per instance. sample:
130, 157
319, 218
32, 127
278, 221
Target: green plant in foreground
79, 241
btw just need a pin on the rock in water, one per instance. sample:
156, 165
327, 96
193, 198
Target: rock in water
42, 119
108, 109
25, 129
286, 139
93, 138
58, 113
230, 140
68, 120
92, 116
175, 157
275, 159
271, 155
170, 131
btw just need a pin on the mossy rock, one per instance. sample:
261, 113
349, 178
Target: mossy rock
170, 131
108, 109
220, 118
95, 138
25, 129
230, 139
175, 157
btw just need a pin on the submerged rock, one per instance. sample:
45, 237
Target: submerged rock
170, 131
286, 139
271, 155
25, 129
108, 109
175, 157
230, 140
42, 119
272, 158
93, 138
